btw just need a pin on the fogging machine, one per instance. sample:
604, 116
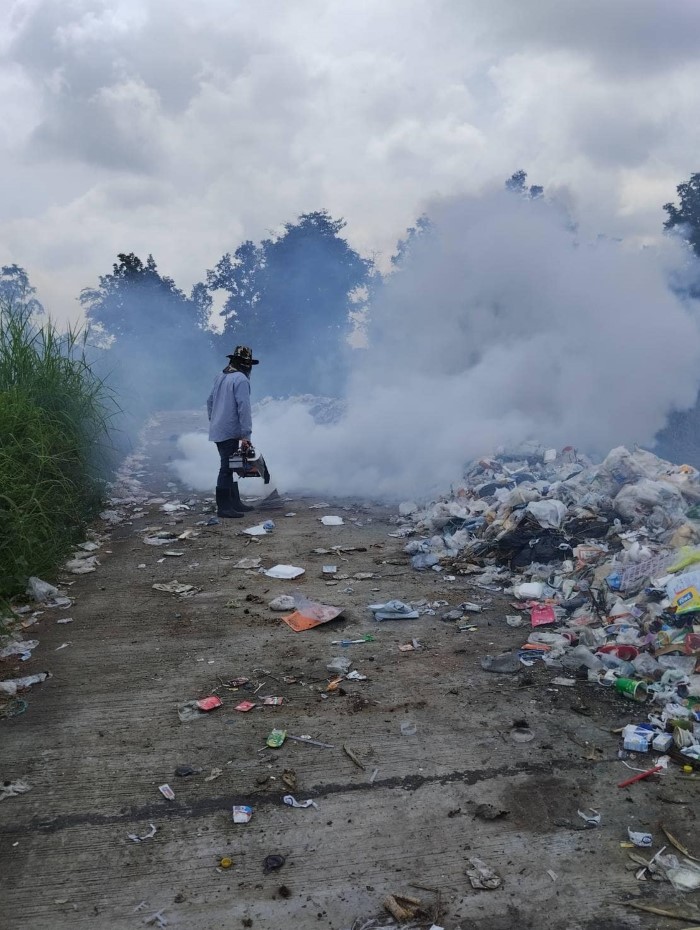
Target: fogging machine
249, 464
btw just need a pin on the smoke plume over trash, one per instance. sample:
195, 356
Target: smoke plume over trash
501, 324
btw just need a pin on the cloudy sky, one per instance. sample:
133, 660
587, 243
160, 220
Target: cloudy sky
181, 128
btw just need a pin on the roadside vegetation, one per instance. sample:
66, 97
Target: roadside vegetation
54, 437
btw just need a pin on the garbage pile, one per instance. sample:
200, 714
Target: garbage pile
605, 559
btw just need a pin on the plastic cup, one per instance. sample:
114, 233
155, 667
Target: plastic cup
634, 690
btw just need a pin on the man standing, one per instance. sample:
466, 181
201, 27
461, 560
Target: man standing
231, 425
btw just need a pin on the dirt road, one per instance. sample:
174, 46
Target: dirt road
103, 733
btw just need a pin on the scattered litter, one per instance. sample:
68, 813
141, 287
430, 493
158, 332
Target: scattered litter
353, 758
283, 602
11, 789
289, 777
514, 620
552, 874
62, 646
311, 742
225, 862
367, 638
356, 676
40, 590
167, 792
271, 700
156, 919
183, 771
309, 614
284, 572
13, 685
174, 587
209, 703
504, 664
329, 569
276, 738
591, 817
408, 728
146, 836
272, 863
261, 529
248, 564
332, 521
541, 615
244, 706
214, 774
82, 566
339, 664
22, 649
174, 553
393, 610
481, 876
564, 682
241, 813
292, 802
65, 620
643, 840
402, 907
173, 507
522, 734
189, 711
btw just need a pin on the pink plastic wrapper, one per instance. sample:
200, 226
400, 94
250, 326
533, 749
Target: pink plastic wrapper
541, 615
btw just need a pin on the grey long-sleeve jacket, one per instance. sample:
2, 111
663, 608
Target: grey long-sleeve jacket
228, 407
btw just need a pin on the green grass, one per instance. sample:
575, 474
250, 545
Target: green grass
54, 444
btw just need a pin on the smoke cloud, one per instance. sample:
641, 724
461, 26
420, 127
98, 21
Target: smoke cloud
501, 325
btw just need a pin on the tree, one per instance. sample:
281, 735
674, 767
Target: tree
155, 338
423, 227
686, 218
16, 293
290, 297
517, 184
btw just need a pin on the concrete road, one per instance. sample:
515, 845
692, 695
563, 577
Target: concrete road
103, 733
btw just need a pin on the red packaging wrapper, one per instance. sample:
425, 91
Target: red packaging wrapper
244, 706
209, 703
542, 614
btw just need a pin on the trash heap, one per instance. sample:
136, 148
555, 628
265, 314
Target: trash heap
604, 557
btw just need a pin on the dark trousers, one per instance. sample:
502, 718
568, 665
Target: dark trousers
227, 448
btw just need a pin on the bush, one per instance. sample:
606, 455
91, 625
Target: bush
54, 417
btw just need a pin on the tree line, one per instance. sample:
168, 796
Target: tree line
295, 296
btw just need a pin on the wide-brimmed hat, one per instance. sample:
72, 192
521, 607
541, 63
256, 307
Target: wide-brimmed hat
244, 355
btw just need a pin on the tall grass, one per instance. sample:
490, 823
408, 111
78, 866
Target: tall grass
54, 442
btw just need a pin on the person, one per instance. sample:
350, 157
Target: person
231, 426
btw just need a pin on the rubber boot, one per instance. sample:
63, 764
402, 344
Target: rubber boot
224, 507
236, 500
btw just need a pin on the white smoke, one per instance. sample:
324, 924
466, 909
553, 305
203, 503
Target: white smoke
501, 326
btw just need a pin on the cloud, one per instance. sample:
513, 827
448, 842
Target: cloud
234, 118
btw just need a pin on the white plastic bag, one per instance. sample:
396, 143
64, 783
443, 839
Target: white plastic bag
40, 590
548, 513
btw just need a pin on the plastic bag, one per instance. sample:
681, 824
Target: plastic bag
657, 502
548, 513
40, 590
646, 666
